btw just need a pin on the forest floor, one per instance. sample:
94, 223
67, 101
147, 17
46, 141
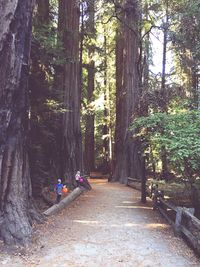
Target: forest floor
105, 227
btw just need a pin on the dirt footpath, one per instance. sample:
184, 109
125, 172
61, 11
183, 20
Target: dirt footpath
106, 227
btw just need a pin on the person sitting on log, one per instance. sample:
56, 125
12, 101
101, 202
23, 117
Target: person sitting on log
82, 181
78, 177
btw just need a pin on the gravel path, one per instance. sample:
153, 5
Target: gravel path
106, 227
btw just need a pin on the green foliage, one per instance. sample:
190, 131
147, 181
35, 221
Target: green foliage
185, 37
50, 48
179, 134
55, 106
99, 46
178, 131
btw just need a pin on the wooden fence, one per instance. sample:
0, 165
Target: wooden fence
182, 219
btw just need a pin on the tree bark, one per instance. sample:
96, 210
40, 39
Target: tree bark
16, 207
127, 151
106, 156
89, 155
43, 11
163, 90
71, 154
41, 155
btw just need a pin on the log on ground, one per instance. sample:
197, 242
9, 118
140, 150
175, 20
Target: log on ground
63, 203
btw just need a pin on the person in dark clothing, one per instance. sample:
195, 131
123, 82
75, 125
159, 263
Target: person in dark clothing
58, 189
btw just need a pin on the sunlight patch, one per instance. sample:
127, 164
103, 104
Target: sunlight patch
134, 207
86, 222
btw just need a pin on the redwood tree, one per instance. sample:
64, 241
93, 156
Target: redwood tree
71, 147
40, 150
16, 207
89, 154
128, 160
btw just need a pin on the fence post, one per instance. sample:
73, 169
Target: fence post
177, 228
155, 201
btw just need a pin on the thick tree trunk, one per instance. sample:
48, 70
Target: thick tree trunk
15, 188
128, 159
89, 154
71, 156
41, 155
89, 158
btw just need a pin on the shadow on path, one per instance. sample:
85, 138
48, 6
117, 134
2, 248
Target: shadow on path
108, 227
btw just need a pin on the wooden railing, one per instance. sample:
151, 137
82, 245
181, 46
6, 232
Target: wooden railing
182, 219
135, 183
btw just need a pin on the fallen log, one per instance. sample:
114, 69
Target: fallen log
63, 203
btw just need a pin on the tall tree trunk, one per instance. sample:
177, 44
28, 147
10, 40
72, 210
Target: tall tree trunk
39, 169
163, 89
107, 131
43, 11
89, 155
128, 159
106, 111
71, 156
146, 59
144, 83
15, 187
119, 81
